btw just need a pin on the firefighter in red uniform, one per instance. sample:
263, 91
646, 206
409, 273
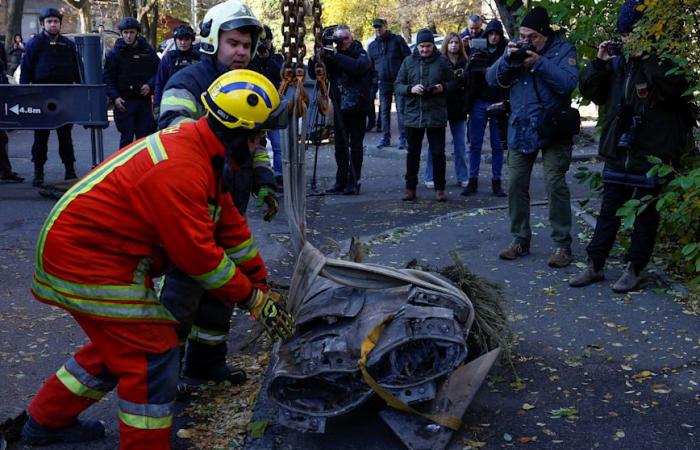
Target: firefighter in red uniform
158, 202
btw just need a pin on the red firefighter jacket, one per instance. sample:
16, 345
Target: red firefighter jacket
155, 203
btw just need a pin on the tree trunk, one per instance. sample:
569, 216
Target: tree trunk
507, 12
14, 19
85, 16
154, 27
126, 9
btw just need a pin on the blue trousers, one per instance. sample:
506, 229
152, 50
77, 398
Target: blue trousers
276, 144
386, 93
477, 128
458, 128
136, 122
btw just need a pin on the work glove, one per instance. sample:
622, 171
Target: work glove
270, 313
266, 196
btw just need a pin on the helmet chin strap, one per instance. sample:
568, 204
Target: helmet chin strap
236, 150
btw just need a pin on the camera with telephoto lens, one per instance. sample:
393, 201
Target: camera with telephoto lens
499, 110
328, 36
523, 47
262, 50
614, 48
628, 138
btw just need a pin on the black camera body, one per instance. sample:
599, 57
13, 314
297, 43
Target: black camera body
523, 47
328, 36
478, 55
614, 48
499, 110
629, 137
262, 50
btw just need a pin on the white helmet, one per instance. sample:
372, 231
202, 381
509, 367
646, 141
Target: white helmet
227, 16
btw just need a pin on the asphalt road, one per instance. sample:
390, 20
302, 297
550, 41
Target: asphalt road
585, 349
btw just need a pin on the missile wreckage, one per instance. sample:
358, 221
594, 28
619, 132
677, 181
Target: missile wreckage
366, 330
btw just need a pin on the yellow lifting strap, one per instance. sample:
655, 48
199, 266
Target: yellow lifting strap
368, 344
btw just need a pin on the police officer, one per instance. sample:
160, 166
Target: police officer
182, 56
51, 58
129, 74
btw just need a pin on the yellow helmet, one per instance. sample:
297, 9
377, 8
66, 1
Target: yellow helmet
242, 99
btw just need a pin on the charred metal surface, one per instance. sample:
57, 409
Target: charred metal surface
316, 373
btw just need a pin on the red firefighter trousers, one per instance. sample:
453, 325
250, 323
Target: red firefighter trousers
141, 359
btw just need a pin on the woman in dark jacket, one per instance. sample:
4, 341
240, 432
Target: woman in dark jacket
16, 52
457, 109
425, 79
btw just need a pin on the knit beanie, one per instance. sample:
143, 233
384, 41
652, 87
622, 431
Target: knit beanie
537, 19
628, 16
425, 35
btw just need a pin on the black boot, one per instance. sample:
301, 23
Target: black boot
472, 187
497, 189
70, 172
38, 175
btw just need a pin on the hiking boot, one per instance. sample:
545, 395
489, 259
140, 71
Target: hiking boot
11, 177
514, 250
34, 433
561, 257
409, 195
336, 189
472, 187
199, 374
38, 176
384, 143
440, 196
403, 145
351, 189
70, 172
587, 276
497, 188
629, 281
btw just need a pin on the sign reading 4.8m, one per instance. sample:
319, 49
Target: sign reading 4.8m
17, 109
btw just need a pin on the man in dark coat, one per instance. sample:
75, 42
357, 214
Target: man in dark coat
387, 52
646, 114
425, 79
349, 73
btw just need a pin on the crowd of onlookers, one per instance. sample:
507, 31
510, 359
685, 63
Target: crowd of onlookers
520, 89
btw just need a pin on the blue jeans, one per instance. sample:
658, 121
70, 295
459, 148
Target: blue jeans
386, 93
477, 128
274, 137
458, 128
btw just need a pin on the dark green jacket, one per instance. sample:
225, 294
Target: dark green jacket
639, 87
427, 110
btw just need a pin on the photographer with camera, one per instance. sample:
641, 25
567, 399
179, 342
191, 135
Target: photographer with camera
646, 115
541, 71
474, 30
482, 97
350, 78
269, 63
425, 79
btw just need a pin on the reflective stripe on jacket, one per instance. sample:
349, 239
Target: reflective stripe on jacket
152, 204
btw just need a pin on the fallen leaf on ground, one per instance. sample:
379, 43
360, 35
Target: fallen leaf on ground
660, 389
563, 412
527, 406
184, 433
257, 428
474, 444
